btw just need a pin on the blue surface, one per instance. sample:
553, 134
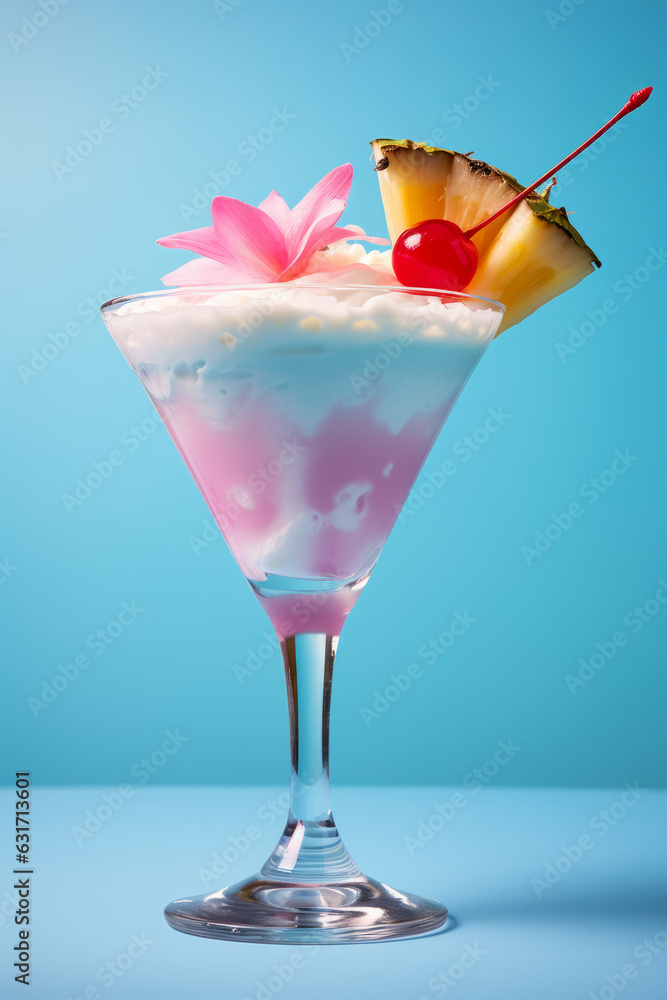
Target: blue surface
89, 899
70, 239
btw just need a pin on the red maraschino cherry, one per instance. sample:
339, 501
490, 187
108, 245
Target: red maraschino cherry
435, 254
438, 254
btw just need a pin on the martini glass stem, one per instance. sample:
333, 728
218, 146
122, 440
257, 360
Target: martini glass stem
310, 848
309, 663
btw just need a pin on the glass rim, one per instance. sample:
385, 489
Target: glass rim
276, 286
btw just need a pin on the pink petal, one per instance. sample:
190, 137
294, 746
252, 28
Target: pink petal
276, 208
203, 271
251, 238
328, 198
242, 238
213, 248
323, 233
204, 241
311, 240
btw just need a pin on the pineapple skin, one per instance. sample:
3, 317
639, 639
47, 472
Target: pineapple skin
526, 257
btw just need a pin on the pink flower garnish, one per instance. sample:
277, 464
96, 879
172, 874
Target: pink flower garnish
269, 243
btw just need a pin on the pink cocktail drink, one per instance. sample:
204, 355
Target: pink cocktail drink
304, 415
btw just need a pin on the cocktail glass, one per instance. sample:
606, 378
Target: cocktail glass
304, 413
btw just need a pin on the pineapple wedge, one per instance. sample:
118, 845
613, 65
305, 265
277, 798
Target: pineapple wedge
526, 257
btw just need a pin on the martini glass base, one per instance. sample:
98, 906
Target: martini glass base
271, 912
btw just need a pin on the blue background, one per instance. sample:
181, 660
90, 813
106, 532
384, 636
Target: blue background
554, 79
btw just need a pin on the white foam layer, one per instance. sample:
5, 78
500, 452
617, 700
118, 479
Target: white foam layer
314, 303
293, 342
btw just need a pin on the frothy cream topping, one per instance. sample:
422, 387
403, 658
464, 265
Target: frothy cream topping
346, 288
352, 263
